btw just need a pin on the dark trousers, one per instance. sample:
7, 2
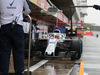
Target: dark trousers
12, 39
26, 35
36, 36
0, 40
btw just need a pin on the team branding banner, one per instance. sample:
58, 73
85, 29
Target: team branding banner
34, 1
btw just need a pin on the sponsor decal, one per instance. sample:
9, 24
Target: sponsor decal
11, 5
52, 42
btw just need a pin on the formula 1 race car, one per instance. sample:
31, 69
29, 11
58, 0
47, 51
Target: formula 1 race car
57, 45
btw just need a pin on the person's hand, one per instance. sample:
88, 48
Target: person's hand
96, 7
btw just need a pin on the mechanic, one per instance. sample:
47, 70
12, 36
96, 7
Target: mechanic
36, 22
0, 43
26, 27
0, 39
37, 30
97, 35
12, 35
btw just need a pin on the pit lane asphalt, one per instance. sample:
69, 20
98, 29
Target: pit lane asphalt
91, 53
90, 57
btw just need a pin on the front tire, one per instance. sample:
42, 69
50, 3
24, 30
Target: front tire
76, 46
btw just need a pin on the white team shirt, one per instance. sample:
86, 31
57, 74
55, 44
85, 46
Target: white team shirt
26, 26
11, 9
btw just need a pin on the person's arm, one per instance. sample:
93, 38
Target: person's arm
97, 7
27, 8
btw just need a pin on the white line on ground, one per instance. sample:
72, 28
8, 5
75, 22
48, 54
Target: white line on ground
70, 71
36, 66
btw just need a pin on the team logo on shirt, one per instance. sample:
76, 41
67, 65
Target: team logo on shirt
11, 7
12, 3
